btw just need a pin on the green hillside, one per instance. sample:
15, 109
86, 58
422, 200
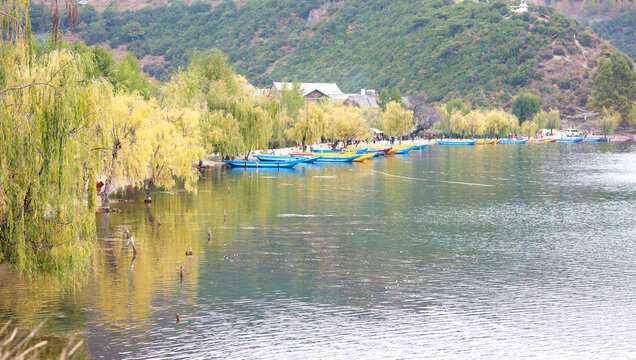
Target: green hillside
436, 49
620, 30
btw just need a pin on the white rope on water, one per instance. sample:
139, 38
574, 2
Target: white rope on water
444, 181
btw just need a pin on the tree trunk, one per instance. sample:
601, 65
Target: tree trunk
105, 202
103, 195
148, 199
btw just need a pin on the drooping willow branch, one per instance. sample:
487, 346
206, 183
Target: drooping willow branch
28, 85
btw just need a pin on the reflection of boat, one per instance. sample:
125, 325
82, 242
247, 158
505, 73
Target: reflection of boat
263, 164
264, 169
592, 139
512, 141
576, 140
308, 159
456, 143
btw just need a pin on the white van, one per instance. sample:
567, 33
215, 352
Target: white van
573, 133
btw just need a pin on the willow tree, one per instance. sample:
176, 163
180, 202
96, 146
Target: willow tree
309, 127
475, 123
221, 134
554, 120
458, 123
397, 120
174, 142
610, 121
125, 147
501, 123
541, 120
528, 128
47, 110
255, 124
345, 122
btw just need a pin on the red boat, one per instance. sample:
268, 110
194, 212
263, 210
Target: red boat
385, 151
621, 140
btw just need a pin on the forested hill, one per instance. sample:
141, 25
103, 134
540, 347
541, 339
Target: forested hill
434, 48
620, 30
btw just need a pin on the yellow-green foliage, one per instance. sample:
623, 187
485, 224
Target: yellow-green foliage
464, 122
528, 128
554, 119
174, 144
226, 103
47, 116
397, 120
344, 122
309, 127
501, 123
610, 121
541, 120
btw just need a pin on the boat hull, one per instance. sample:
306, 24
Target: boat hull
406, 150
509, 141
456, 143
308, 159
263, 164
569, 140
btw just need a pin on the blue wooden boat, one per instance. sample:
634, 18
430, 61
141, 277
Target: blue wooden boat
512, 141
456, 143
406, 150
263, 164
420, 147
321, 151
592, 139
337, 159
570, 140
307, 159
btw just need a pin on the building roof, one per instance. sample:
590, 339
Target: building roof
329, 89
363, 101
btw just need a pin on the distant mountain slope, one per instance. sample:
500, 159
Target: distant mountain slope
436, 49
588, 11
620, 31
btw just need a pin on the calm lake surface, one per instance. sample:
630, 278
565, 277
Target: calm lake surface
501, 251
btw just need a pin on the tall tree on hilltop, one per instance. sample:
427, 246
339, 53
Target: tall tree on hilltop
615, 85
524, 106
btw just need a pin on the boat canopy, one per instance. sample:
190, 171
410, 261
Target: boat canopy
376, 131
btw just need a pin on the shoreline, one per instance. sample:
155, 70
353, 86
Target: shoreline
214, 161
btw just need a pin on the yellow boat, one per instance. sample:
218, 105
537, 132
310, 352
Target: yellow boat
485, 142
363, 157
396, 148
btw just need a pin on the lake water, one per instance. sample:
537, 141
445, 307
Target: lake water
501, 252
